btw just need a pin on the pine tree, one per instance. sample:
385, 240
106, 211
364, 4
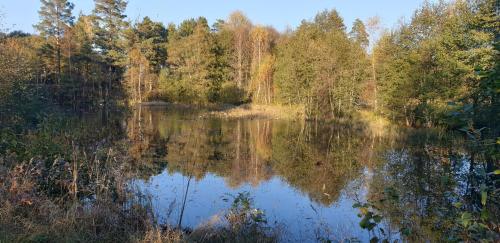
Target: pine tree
109, 25
146, 56
191, 63
55, 18
222, 71
152, 37
358, 33
329, 20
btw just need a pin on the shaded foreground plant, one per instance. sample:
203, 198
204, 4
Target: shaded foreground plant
461, 222
86, 199
242, 223
65, 202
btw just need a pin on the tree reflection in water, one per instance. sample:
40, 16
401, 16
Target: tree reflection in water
427, 170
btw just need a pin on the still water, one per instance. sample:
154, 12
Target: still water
305, 177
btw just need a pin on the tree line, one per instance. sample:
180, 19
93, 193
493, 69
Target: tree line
442, 68
439, 68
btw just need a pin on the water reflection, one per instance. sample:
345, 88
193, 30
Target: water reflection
305, 176
319, 161
428, 173
297, 172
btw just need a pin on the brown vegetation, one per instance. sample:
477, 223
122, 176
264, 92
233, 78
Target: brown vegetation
255, 111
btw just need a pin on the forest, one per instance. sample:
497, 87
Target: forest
437, 70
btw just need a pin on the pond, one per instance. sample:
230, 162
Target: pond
305, 177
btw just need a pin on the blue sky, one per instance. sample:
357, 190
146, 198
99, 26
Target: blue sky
22, 14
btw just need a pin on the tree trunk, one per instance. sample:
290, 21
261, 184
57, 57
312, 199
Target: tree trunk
139, 86
240, 66
374, 77
58, 61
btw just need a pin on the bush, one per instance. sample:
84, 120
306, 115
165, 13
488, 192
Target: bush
231, 94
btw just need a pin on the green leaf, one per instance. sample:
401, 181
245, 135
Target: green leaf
484, 214
465, 219
406, 231
484, 226
484, 197
364, 222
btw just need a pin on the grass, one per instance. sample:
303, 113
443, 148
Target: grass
375, 124
64, 202
249, 111
256, 111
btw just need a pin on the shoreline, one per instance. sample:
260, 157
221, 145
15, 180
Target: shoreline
248, 111
372, 122
255, 111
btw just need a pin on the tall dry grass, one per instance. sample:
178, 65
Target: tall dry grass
87, 199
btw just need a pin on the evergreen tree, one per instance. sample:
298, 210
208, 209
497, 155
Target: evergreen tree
436, 69
146, 56
190, 62
153, 38
358, 33
223, 73
486, 23
55, 19
89, 70
109, 25
329, 21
